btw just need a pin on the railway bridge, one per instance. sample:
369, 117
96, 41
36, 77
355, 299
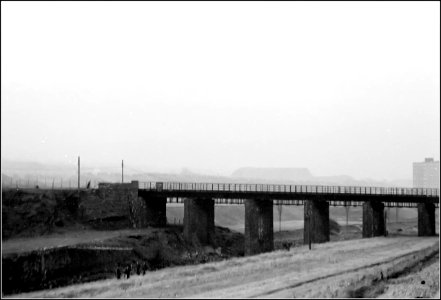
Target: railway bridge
199, 200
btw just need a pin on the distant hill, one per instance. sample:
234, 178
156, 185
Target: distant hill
32, 173
304, 176
286, 174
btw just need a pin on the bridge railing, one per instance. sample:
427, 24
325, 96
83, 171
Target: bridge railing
275, 188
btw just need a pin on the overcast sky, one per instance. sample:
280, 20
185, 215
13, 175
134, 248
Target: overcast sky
339, 88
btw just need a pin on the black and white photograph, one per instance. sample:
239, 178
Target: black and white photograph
220, 149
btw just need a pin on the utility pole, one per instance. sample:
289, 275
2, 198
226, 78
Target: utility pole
78, 179
309, 232
122, 171
279, 209
308, 215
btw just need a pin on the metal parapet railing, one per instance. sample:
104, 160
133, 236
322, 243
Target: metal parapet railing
299, 202
276, 188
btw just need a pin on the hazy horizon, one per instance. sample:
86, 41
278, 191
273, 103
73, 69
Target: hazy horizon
129, 169
338, 88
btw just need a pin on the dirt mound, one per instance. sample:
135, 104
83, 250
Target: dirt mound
232, 243
334, 227
36, 212
167, 247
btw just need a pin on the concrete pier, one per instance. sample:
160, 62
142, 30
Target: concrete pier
259, 235
155, 211
373, 219
316, 215
426, 219
199, 221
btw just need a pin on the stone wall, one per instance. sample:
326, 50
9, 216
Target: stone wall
114, 200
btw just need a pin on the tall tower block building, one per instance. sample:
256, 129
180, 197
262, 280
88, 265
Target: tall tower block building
426, 174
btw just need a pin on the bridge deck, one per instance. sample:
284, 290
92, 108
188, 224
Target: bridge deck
234, 193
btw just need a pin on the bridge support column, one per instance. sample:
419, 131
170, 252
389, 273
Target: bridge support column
426, 219
199, 220
317, 217
154, 208
156, 211
259, 234
373, 219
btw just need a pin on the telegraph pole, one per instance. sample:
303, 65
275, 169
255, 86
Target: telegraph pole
78, 179
308, 215
279, 209
347, 217
122, 171
309, 232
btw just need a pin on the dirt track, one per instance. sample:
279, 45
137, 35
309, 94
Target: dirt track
18, 245
330, 270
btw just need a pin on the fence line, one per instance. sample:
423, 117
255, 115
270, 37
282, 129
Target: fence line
56, 183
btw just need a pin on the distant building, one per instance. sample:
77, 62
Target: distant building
426, 174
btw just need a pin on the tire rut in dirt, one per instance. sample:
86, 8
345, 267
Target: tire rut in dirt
362, 290
378, 287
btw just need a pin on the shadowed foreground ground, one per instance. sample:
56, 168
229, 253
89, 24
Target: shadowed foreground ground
335, 269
